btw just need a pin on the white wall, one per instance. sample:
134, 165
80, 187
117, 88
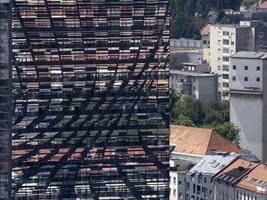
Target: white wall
240, 73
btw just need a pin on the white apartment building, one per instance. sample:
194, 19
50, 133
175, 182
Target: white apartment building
241, 180
248, 101
178, 168
226, 40
197, 183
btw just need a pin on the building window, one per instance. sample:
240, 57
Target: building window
225, 50
225, 33
258, 79
225, 68
234, 67
246, 79
225, 58
226, 42
219, 67
174, 192
258, 68
179, 183
246, 67
225, 76
174, 180
260, 43
232, 42
261, 34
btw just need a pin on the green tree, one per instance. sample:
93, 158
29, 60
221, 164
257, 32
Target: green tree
184, 121
191, 108
248, 3
187, 111
227, 130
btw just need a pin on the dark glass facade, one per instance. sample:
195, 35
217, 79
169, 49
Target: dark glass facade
91, 99
5, 101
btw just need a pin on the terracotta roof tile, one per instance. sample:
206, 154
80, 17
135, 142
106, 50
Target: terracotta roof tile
260, 4
235, 171
256, 179
205, 30
200, 141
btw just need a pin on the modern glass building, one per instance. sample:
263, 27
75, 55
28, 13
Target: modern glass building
91, 99
5, 101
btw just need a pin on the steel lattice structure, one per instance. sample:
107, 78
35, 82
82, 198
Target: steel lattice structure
91, 99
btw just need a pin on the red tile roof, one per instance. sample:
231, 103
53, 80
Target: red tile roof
200, 141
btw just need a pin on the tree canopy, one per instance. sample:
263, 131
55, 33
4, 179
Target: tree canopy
189, 16
187, 111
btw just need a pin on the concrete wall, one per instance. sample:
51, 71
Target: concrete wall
208, 89
264, 114
246, 114
240, 73
223, 191
5, 105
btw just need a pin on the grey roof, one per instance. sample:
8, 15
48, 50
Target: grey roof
212, 164
250, 55
188, 73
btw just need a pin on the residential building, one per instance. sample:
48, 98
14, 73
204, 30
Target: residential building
198, 85
90, 99
227, 180
248, 100
178, 168
186, 43
5, 106
205, 36
198, 181
186, 56
192, 144
254, 184
260, 33
226, 40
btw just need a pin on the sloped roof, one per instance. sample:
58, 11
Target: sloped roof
205, 30
260, 4
212, 164
199, 141
255, 179
235, 171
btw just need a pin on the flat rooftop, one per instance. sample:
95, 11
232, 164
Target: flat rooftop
250, 55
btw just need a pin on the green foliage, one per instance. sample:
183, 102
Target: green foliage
189, 16
190, 112
184, 121
175, 64
193, 109
227, 130
248, 3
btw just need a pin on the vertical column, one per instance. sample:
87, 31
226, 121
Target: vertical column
5, 137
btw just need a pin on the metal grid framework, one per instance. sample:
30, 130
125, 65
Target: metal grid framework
91, 99
5, 101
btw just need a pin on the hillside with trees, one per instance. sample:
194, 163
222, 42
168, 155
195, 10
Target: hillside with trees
189, 16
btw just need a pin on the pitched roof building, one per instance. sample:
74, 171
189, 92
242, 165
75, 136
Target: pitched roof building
199, 141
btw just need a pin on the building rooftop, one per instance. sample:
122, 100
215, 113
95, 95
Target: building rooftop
191, 73
260, 4
205, 30
250, 55
212, 164
255, 180
235, 171
199, 141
